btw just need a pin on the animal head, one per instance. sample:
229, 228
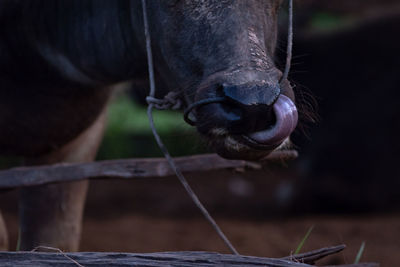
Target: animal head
220, 53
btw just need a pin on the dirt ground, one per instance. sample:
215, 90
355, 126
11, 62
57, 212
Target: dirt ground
156, 215
269, 238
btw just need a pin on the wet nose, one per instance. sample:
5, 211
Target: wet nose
248, 95
245, 108
248, 107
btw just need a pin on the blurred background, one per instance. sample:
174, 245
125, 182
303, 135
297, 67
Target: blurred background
345, 182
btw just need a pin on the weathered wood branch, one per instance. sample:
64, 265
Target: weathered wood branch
312, 256
356, 265
127, 169
172, 259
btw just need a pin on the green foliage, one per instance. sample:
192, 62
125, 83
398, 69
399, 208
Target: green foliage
128, 133
328, 22
300, 246
360, 253
126, 116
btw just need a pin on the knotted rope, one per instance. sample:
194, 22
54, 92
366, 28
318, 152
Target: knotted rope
289, 48
170, 101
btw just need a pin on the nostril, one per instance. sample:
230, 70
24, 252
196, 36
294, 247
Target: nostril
264, 121
239, 109
232, 113
220, 90
251, 104
231, 117
241, 119
259, 118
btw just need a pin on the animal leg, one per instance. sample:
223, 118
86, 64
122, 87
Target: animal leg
3, 235
51, 215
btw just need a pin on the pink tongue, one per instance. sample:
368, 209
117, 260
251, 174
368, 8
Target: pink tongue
286, 121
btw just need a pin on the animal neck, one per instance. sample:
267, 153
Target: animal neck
89, 42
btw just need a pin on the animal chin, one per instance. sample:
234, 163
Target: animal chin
234, 147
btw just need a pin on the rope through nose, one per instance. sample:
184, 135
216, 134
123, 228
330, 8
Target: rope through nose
161, 144
190, 108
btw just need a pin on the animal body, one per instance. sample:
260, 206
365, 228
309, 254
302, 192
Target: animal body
59, 58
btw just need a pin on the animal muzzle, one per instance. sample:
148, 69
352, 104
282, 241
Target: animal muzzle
248, 121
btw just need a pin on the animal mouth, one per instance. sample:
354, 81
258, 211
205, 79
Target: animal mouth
255, 145
286, 120
228, 136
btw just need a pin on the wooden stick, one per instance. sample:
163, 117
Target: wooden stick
127, 169
173, 259
312, 256
356, 265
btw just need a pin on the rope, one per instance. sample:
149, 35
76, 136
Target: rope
172, 101
198, 104
162, 146
289, 47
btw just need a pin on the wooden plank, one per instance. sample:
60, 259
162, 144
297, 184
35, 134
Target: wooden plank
127, 169
162, 259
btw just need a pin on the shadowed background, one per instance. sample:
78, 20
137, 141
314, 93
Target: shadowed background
345, 181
